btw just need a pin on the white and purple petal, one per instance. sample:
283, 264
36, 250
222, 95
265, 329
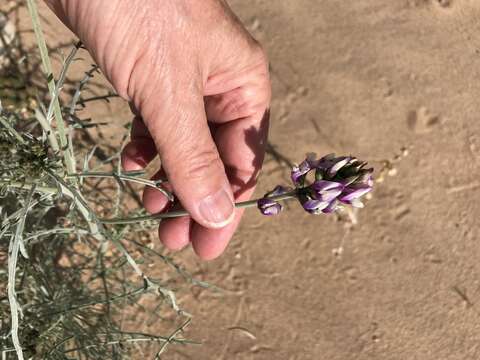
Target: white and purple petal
279, 190
325, 185
298, 172
312, 160
315, 206
331, 207
338, 163
269, 207
350, 194
330, 195
357, 203
327, 190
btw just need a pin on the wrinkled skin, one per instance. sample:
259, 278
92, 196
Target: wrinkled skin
199, 87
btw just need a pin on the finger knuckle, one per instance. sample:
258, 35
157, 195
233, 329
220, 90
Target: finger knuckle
202, 164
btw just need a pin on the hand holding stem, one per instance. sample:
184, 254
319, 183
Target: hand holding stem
199, 87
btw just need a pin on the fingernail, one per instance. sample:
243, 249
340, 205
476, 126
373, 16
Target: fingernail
135, 156
141, 162
217, 210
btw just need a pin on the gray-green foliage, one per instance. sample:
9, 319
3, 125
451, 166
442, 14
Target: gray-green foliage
65, 277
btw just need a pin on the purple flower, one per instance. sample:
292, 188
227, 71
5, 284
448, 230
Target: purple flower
279, 190
326, 162
352, 193
314, 206
269, 207
331, 207
338, 164
322, 197
366, 179
326, 190
299, 172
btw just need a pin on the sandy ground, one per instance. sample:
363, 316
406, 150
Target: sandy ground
380, 79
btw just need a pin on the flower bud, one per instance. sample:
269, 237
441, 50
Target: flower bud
269, 207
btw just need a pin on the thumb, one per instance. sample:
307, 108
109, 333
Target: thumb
190, 157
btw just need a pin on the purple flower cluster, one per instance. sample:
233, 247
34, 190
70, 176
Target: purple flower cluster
336, 181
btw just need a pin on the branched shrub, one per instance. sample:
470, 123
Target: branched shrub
65, 275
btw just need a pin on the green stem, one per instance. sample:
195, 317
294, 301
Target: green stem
47, 128
98, 302
182, 213
26, 186
121, 176
16, 246
132, 177
47, 67
166, 215
6, 124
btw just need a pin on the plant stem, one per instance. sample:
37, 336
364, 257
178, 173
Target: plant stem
4, 122
26, 186
132, 177
99, 232
47, 67
171, 338
133, 220
47, 128
100, 97
78, 90
180, 213
16, 245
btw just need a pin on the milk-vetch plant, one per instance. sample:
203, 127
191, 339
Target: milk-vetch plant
67, 279
338, 182
69, 263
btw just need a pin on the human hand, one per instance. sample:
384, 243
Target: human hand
199, 86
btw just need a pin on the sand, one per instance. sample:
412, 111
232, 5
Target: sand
390, 80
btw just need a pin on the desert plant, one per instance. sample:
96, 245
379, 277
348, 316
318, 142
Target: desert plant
65, 273
71, 265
